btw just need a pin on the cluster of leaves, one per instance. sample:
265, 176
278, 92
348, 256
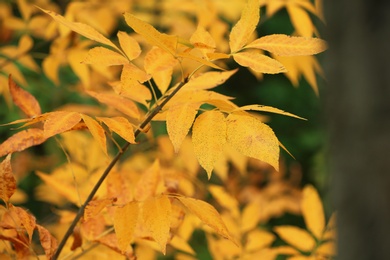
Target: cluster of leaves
139, 206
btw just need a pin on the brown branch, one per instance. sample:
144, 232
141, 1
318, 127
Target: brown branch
80, 213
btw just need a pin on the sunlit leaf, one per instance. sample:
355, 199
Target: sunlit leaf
149, 182
121, 126
285, 45
253, 138
125, 220
104, 57
26, 219
48, 242
258, 239
209, 138
244, 28
156, 214
296, 237
312, 211
300, 19
60, 121
23, 99
268, 109
202, 40
129, 45
22, 140
259, 62
209, 79
97, 131
94, 207
158, 59
225, 199
190, 56
7, 179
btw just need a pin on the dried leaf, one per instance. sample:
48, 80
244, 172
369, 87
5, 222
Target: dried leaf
97, 131
121, 126
156, 214
125, 220
95, 206
253, 138
60, 121
129, 45
23, 99
268, 109
313, 212
207, 214
104, 57
26, 220
284, 45
209, 79
22, 140
209, 138
7, 179
296, 237
245, 27
151, 35
179, 121
259, 62
48, 242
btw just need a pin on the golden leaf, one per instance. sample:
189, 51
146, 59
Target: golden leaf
83, 29
209, 138
104, 57
258, 239
23, 99
26, 220
97, 131
179, 121
22, 140
60, 121
244, 28
7, 179
313, 212
209, 79
48, 242
300, 19
94, 207
156, 214
121, 126
181, 244
268, 109
125, 220
163, 79
202, 40
225, 199
253, 138
129, 45
151, 35
149, 182
132, 72
207, 214
158, 59
296, 237
250, 217
258, 62
190, 56
284, 45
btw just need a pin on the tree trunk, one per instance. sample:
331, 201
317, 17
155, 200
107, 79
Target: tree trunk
358, 119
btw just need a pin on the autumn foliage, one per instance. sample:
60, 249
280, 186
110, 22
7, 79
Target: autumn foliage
152, 200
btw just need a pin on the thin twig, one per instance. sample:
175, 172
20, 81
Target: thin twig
80, 213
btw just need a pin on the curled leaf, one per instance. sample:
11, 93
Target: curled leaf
7, 179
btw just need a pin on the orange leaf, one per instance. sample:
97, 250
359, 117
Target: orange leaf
156, 214
83, 29
60, 121
268, 109
245, 27
258, 239
148, 183
22, 140
259, 62
179, 121
285, 45
296, 237
312, 211
125, 220
104, 57
209, 138
95, 206
119, 103
209, 79
202, 40
7, 179
97, 131
253, 138
48, 242
129, 45
121, 126
26, 219
207, 214
190, 56
23, 99
130, 71
158, 59
151, 35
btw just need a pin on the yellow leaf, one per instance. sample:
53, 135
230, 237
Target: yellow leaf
225, 199
296, 237
258, 239
202, 40
259, 62
48, 242
163, 79
23, 99
149, 182
207, 214
284, 45
313, 212
268, 109
129, 45
22, 140
179, 121
253, 138
250, 217
327, 248
104, 57
190, 56
209, 79
244, 28
181, 244
83, 29
60, 121
26, 219
75, 56
125, 220
121, 126
94, 207
151, 35
97, 131
156, 214
7, 179
209, 138
132, 72
300, 19
217, 56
